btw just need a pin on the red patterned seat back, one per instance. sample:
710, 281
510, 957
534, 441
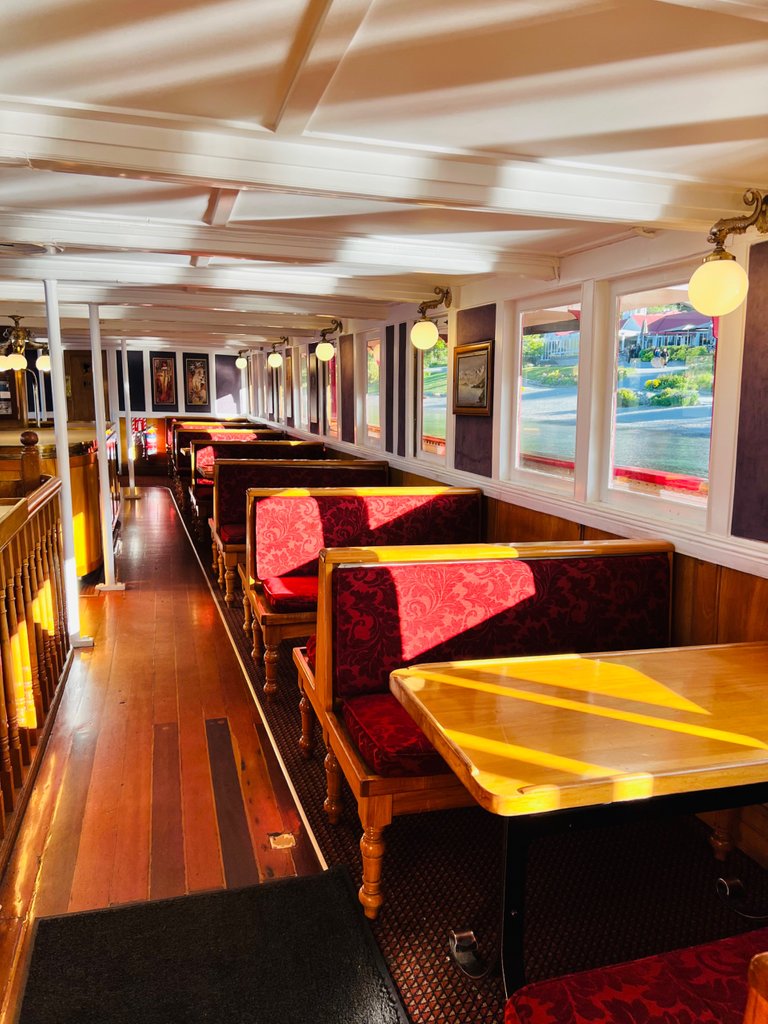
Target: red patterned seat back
291, 531
248, 448
387, 616
234, 478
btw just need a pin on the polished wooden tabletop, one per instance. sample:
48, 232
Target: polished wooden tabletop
528, 735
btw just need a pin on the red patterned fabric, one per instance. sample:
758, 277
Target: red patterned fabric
704, 984
186, 435
232, 533
388, 739
291, 532
234, 480
311, 650
388, 616
249, 448
291, 593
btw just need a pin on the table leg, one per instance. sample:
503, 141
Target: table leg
517, 838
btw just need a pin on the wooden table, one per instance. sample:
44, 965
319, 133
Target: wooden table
554, 742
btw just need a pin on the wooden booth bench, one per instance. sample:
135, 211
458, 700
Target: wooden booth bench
384, 608
287, 531
233, 477
204, 453
183, 437
198, 428
720, 982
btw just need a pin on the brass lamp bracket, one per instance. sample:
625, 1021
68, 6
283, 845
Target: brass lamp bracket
443, 299
335, 328
738, 225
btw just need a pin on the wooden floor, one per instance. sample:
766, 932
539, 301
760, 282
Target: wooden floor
159, 778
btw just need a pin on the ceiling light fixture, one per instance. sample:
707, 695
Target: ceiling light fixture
325, 350
15, 340
720, 284
274, 359
424, 333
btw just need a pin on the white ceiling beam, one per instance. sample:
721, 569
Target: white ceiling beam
326, 33
220, 206
753, 11
71, 141
113, 296
251, 279
200, 320
401, 255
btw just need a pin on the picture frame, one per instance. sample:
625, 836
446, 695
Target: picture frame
197, 382
163, 376
473, 379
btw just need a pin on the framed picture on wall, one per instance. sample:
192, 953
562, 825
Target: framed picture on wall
197, 387
473, 379
163, 370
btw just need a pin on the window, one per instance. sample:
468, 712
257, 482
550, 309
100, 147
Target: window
433, 377
331, 397
548, 389
303, 389
662, 418
372, 393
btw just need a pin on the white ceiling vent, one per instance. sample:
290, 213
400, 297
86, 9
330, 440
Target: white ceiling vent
29, 249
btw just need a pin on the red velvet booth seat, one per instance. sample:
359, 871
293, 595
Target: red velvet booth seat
290, 530
704, 984
383, 608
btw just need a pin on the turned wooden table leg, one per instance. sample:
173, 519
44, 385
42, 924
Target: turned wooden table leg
229, 584
372, 848
258, 646
723, 832
247, 619
332, 804
221, 571
307, 738
270, 668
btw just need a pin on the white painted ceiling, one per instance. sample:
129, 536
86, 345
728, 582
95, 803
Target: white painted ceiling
229, 171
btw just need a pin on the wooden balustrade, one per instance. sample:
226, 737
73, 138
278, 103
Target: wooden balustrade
34, 641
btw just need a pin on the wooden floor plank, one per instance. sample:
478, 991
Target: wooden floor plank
167, 875
236, 849
116, 799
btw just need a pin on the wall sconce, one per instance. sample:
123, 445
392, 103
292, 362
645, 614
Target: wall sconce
275, 359
424, 333
241, 362
720, 284
15, 340
325, 350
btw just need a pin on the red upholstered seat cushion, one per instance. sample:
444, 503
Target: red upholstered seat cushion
311, 650
291, 593
704, 984
232, 533
388, 739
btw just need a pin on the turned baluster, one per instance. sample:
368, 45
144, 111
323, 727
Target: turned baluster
44, 604
32, 704
17, 668
26, 603
47, 684
49, 550
14, 736
6, 770
58, 575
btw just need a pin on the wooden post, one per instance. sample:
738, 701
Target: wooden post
30, 462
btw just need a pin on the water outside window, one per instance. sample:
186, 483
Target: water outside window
372, 399
662, 423
434, 397
548, 389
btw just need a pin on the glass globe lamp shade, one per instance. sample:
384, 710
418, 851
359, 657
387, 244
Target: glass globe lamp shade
718, 286
275, 360
4, 364
241, 362
17, 361
325, 351
424, 334
44, 363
